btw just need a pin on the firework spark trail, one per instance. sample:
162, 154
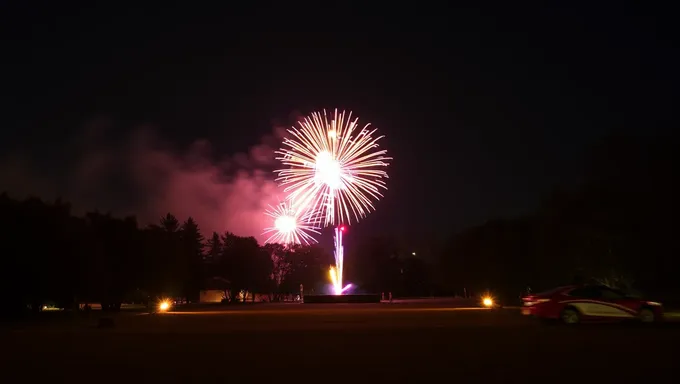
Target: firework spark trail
337, 271
333, 171
291, 225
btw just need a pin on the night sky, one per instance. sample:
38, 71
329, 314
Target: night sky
484, 111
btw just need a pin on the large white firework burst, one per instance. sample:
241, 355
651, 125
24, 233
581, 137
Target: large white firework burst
291, 225
334, 168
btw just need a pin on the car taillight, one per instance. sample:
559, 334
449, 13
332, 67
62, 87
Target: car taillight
534, 300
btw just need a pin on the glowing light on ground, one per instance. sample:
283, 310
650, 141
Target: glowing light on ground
164, 306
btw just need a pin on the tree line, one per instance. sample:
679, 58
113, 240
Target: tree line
49, 255
616, 227
52, 256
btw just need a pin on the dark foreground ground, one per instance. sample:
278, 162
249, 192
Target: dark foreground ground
406, 342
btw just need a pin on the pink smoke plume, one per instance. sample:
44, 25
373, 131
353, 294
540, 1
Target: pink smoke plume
228, 194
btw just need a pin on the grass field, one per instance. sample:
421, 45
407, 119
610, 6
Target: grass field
406, 342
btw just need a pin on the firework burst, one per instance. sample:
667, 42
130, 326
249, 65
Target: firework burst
291, 225
333, 167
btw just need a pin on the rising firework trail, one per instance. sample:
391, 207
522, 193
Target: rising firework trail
291, 225
336, 272
336, 169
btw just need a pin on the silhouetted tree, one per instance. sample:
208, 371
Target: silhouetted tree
113, 246
170, 224
213, 249
416, 277
281, 265
244, 264
496, 256
192, 257
308, 266
376, 266
614, 228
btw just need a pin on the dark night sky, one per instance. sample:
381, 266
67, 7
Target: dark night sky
484, 110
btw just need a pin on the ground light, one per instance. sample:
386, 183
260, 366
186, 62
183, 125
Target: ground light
164, 306
487, 301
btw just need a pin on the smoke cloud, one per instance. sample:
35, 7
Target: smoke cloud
144, 176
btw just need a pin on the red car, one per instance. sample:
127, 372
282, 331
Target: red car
574, 304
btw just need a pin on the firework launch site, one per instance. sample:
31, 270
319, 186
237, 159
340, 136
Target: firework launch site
405, 341
342, 299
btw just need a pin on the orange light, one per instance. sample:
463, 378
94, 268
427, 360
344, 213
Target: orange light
164, 305
487, 301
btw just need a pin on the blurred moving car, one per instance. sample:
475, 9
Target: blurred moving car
575, 304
